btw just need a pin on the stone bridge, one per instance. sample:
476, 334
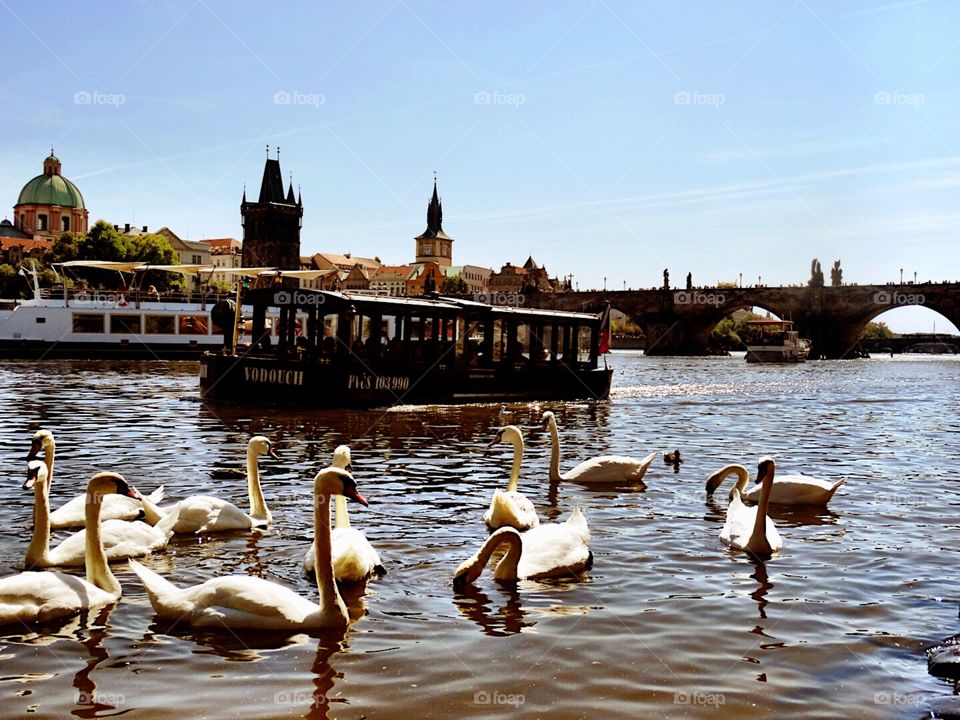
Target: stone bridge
679, 322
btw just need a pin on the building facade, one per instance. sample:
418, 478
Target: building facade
433, 244
50, 204
271, 226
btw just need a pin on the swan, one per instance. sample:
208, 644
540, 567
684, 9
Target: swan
748, 528
601, 469
548, 550
354, 558
120, 539
41, 596
205, 513
508, 507
72, 514
787, 489
246, 602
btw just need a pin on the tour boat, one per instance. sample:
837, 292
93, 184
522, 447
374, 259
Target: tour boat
102, 324
778, 343
342, 349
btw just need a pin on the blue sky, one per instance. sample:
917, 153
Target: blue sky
608, 139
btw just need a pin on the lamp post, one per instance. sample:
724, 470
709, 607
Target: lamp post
759, 279
624, 285
914, 277
901, 276
604, 283
740, 284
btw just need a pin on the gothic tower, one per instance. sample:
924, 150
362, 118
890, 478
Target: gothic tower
433, 243
271, 226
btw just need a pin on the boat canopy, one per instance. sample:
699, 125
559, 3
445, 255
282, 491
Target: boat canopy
136, 267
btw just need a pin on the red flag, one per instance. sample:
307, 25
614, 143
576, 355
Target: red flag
605, 331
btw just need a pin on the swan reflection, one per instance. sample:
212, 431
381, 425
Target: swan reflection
475, 605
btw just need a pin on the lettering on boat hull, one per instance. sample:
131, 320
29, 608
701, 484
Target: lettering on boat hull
273, 376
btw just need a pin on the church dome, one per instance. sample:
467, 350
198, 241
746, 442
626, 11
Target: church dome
51, 188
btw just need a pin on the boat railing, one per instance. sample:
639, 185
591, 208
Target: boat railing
131, 297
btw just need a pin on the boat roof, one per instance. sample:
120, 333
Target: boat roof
771, 323
136, 267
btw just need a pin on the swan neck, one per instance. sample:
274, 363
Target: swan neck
95, 559
507, 567
515, 470
48, 453
151, 513
39, 547
554, 451
258, 506
759, 533
323, 557
341, 515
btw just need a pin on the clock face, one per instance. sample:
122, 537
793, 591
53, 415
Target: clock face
427, 249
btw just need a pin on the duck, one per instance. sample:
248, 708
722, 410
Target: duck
244, 602
509, 507
207, 514
34, 596
601, 469
787, 489
747, 527
548, 550
672, 458
120, 539
354, 558
73, 513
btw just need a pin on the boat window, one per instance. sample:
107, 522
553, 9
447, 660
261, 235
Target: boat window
88, 322
41, 320
545, 338
499, 339
160, 324
583, 344
519, 346
125, 323
193, 324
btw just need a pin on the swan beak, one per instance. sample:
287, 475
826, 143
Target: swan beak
29, 482
132, 492
354, 494
273, 453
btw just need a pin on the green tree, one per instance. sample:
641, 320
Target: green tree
103, 242
876, 330
454, 286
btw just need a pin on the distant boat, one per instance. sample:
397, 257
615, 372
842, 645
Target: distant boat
778, 343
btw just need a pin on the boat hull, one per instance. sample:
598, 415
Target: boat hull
266, 380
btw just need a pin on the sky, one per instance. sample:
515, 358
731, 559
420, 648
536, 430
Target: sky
608, 139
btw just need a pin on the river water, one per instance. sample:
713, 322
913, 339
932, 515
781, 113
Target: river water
668, 623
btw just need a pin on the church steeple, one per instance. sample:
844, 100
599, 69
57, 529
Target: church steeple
271, 225
433, 244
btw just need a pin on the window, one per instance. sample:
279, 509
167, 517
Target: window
195, 259
125, 323
41, 222
65, 223
194, 324
88, 323
160, 325
23, 221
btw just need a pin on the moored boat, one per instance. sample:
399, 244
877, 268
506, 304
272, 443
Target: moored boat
333, 349
778, 343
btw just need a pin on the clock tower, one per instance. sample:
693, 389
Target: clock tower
433, 244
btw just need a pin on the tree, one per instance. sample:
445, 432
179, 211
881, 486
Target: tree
816, 274
876, 330
454, 286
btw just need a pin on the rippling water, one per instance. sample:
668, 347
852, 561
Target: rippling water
668, 623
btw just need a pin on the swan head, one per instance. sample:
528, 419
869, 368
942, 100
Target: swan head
36, 473
766, 465
548, 418
259, 445
471, 569
41, 440
337, 481
510, 434
107, 483
341, 458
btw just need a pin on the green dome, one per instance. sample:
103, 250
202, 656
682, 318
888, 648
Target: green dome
51, 190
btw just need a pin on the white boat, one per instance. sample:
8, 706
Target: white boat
779, 343
123, 324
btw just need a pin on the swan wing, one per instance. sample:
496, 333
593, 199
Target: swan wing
510, 509
121, 540
796, 490
354, 558
610, 468
739, 523
553, 550
42, 596
114, 507
204, 513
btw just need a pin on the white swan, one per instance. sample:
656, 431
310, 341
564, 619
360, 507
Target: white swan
748, 527
246, 602
549, 550
601, 469
354, 558
121, 539
42, 596
508, 507
206, 514
72, 514
787, 489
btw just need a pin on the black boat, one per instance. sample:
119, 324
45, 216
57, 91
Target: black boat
333, 349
